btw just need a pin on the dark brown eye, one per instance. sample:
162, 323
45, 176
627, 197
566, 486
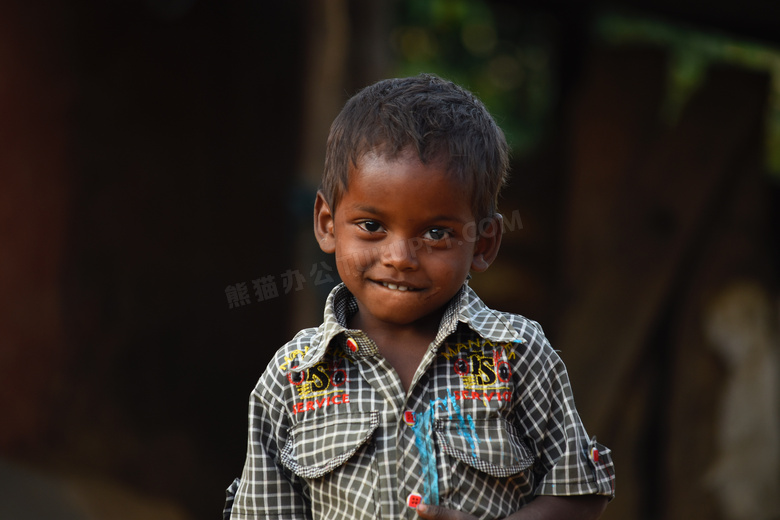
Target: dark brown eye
436, 234
370, 226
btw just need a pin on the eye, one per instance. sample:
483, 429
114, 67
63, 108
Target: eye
370, 226
437, 234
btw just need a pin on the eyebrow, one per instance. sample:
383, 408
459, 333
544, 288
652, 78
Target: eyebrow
445, 218
440, 217
369, 209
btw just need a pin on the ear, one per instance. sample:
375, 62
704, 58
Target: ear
323, 224
488, 242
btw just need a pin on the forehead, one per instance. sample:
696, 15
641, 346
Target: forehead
406, 185
377, 161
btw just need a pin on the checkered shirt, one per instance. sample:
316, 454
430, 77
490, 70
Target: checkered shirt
488, 423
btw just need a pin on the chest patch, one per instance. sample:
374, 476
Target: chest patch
481, 364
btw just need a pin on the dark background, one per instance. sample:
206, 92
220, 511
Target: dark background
156, 154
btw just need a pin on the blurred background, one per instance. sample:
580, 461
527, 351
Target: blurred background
158, 162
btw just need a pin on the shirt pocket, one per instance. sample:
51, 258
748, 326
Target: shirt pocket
316, 447
485, 465
335, 459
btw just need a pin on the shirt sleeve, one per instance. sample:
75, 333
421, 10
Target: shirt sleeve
568, 462
266, 489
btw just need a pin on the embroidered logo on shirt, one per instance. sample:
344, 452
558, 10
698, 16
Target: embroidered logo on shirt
325, 377
480, 367
465, 395
314, 404
322, 385
295, 358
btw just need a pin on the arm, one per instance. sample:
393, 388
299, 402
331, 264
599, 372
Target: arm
265, 489
588, 507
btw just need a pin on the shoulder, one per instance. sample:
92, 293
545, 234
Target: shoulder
305, 344
533, 346
302, 348
529, 329
499, 325
526, 344
305, 349
532, 334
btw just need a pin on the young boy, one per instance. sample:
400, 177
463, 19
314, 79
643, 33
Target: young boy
414, 399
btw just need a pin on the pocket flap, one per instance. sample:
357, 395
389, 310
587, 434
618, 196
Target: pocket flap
318, 446
490, 445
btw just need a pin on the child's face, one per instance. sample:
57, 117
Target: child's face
404, 237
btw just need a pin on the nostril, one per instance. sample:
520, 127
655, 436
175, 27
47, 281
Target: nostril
398, 254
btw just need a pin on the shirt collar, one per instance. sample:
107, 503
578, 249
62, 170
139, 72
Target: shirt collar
465, 307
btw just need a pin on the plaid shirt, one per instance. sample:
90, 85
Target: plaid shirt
488, 423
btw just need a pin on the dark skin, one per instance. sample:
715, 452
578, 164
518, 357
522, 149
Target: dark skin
403, 354
418, 236
403, 255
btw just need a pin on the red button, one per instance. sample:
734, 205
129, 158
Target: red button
594, 454
352, 344
413, 500
409, 417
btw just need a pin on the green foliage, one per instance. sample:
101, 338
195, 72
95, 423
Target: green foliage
692, 51
502, 54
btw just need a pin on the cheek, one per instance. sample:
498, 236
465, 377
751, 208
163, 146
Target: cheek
451, 268
351, 262
346, 267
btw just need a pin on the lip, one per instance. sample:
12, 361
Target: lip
397, 286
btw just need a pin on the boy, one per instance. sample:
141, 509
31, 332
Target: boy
413, 399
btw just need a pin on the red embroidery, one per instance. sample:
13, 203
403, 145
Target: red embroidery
296, 378
502, 368
462, 367
314, 404
466, 395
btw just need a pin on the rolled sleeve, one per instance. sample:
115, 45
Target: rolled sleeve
569, 463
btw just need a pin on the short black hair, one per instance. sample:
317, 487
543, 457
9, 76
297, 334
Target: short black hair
432, 116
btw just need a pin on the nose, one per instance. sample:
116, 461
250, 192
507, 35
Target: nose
400, 254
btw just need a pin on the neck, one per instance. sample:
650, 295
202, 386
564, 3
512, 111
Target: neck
387, 334
402, 346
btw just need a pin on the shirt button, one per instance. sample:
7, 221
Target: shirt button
409, 417
413, 500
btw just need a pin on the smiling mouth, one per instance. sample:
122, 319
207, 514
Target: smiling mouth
398, 287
